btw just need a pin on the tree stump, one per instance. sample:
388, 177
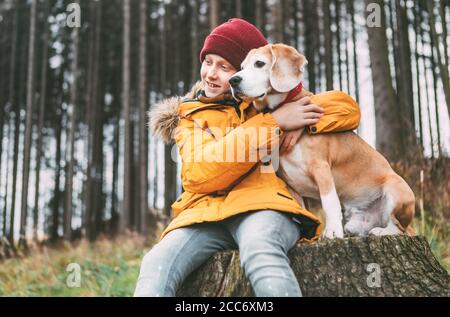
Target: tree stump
369, 266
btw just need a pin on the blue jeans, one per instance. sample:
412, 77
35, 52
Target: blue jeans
262, 237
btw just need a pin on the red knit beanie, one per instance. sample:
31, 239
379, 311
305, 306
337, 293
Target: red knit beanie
233, 40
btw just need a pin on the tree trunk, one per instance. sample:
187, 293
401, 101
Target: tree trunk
405, 88
54, 235
214, 13
443, 16
425, 79
277, 23
238, 4
42, 101
194, 67
259, 14
346, 33
372, 266
143, 186
351, 9
21, 91
115, 216
155, 178
93, 190
434, 72
337, 21
8, 159
328, 44
391, 10
70, 155
87, 190
170, 178
28, 125
295, 9
3, 87
310, 22
387, 137
126, 115
12, 107
443, 71
417, 28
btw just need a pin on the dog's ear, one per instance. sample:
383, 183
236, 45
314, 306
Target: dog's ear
287, 67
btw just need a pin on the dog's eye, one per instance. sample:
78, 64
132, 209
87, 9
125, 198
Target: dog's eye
259, 64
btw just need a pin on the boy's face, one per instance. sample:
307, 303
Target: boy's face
215, 73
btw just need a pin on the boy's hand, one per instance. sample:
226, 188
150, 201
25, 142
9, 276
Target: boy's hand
290, 138
297, 114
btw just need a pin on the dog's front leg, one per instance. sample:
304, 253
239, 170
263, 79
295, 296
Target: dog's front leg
297, 197
321, 173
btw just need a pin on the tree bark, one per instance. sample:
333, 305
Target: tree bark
125, 217
3, 88
56, 200
71, 146
94, 207
387, 132
426, 58
276, 21
214, 13
28, 125
5, 196
259, 14
442, 13
337, 21
351, 9
194, 67
42, 101
311, 42
434, 72
442, 69
417, 27
405, 88
238, 5
328, 44
12, 107
341, 267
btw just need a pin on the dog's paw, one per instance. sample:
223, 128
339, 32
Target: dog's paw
389, 230
355, 228
333, 232
377, 232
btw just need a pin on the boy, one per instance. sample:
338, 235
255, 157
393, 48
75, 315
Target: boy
228, 204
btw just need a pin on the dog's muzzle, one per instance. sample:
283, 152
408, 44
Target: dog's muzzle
235, 81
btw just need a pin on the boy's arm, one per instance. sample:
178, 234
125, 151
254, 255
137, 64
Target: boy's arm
342, 113
211, 165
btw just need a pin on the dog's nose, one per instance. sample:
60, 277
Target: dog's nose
235, 80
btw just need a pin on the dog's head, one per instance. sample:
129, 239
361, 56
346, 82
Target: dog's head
268, 70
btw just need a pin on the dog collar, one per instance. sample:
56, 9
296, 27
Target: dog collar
293, 93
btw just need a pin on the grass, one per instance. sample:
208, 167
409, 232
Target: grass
437, 232
107, 267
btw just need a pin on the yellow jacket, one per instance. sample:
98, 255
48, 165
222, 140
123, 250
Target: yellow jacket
217, 187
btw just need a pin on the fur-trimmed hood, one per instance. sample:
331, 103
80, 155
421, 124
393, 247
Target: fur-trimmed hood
163, 117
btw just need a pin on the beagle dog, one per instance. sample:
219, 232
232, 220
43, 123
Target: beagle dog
340, 169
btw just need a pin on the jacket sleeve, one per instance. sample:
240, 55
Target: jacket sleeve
211, 164
342, 113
